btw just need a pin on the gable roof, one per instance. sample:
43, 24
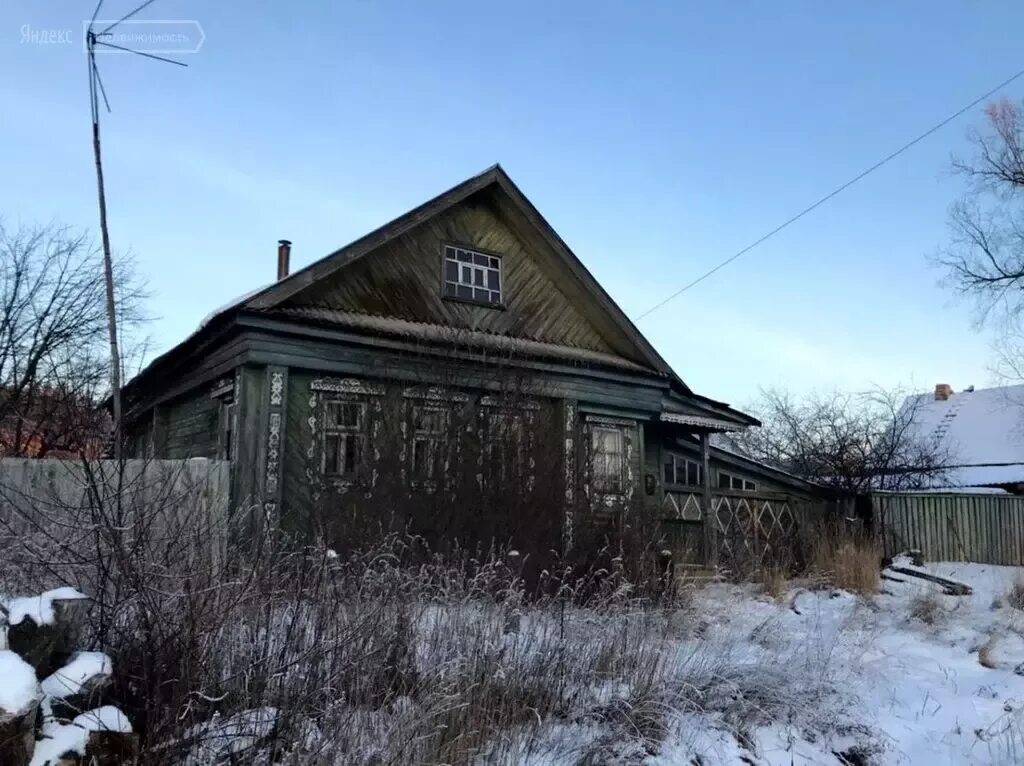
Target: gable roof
495, 176
275, 299
982, 431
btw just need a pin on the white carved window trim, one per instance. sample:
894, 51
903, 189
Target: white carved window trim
325, 392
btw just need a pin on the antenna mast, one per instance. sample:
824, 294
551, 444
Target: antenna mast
96, 90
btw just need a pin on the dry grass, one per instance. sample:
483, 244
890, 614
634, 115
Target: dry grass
1015, 596
775, 582
396, 656
850, 561
986, 652
926, 607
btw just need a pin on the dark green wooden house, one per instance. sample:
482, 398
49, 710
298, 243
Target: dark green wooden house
458, 371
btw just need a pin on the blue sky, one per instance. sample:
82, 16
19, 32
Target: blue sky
657, 137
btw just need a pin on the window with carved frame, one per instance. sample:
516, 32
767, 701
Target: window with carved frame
607, 458
507, 443
344, 436
430, 433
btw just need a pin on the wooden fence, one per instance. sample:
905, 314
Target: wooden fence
984, 528
48, 505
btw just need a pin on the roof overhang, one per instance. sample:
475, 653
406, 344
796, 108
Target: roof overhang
702, 422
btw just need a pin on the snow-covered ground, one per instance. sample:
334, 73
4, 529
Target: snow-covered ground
868, 678
732, 676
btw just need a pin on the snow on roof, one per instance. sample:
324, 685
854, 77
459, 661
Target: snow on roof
230, 305
982, 431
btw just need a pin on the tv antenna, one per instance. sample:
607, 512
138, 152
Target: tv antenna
93, 40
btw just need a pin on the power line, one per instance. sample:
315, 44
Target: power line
831, 194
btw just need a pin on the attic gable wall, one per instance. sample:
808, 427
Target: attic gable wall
402, 278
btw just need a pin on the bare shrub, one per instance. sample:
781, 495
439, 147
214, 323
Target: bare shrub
926, 607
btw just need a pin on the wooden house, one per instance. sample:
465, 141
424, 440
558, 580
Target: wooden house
457, 370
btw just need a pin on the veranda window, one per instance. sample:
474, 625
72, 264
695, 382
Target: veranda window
681, 470
738, 483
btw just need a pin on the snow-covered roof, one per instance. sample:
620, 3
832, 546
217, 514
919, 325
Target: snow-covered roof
980, 431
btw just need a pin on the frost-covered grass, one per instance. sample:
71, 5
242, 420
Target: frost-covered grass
398, 656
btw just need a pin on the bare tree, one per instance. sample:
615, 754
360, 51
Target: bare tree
849, 442
985, 256
54, 365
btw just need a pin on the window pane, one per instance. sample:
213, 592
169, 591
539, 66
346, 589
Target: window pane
481, 260
494, 263
478, 277
670, 474
465, 292
464, 256
467, 275
428, 420
724, 481
481, 295
331, 447
495, 297
492, 280
350, 455
451, 290
449, 251
749, 486
606, 459
451, 271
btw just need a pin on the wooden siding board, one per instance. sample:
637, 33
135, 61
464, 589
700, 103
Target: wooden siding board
402, 278
190, 427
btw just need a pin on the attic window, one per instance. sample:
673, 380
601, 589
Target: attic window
470, 275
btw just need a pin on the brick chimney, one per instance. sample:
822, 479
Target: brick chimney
943, 391
284, 257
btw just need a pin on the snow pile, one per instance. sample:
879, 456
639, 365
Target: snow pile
58, 739
39, 609
19, 689
72, 678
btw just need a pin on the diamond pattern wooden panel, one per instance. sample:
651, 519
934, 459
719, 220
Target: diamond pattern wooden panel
754, 533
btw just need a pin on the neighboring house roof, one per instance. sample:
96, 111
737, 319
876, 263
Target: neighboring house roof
980, 431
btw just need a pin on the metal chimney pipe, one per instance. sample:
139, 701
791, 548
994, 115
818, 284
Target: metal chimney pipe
284, 257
